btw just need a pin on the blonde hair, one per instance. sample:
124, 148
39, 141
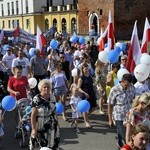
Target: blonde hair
145, 98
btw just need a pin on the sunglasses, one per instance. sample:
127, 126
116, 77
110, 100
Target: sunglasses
123, 59
62, 57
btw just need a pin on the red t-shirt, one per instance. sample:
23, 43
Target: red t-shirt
18, 85
127, 147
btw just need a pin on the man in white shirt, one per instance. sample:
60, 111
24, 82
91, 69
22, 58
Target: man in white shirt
7, 60
24, 62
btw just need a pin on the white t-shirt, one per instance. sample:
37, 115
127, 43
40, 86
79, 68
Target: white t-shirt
24, 62
7, 59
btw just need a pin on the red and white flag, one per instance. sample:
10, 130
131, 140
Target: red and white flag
16, 32
134, 53
1, 35
103, 39
40, 41
111, 39
146, 36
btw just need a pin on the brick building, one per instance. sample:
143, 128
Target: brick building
93, 15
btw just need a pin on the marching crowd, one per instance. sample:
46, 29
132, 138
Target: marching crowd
74, 69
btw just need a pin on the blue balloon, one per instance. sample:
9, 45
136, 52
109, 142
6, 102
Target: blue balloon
54, 44
59, 107
117, 48
82, 40
8, 103
123, 46
74, 39
113, 56
83, 106
31, 52
5, 48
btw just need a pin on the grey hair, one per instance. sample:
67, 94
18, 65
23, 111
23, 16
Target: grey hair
43, 82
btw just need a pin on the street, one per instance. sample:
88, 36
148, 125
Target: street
100, 137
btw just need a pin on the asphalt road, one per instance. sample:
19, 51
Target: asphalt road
100, 137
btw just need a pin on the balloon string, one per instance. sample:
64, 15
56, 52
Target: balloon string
3, 114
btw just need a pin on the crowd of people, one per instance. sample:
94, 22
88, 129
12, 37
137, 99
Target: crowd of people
128, 100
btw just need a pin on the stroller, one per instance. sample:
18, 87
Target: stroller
24, 128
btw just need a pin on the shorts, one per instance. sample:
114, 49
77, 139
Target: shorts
58, 91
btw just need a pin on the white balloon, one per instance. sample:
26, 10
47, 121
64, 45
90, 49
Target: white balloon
106, 50
141, 72
121, 72
32, 82
145, 59
102, 56
74, 72
45, 148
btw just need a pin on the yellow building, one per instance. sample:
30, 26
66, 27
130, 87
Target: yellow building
28, 14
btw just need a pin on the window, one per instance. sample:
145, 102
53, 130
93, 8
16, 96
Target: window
49, 3
2, 9
3, 24
13, 23
54, 22
27, 8
12, 5
101, 12
9, 24
8, 8
46, 24
27, 23
17, 8
63, 24
18, 23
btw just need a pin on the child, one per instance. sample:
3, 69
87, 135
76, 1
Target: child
138, 138
26, 119
75, 99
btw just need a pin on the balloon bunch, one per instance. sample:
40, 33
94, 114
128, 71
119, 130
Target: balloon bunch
142, 71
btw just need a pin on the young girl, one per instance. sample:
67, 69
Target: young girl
139, 138
75, 99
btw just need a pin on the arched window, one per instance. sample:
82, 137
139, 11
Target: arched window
46, 24
54, 22
73, 25
63, 24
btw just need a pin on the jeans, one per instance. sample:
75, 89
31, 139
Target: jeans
121, 131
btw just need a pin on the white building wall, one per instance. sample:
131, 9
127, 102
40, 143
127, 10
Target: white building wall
33, 6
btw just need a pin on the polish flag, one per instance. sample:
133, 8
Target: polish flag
146, 36
111, 39
103, 39
134, 53
16, 32
40, 41
1, 35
